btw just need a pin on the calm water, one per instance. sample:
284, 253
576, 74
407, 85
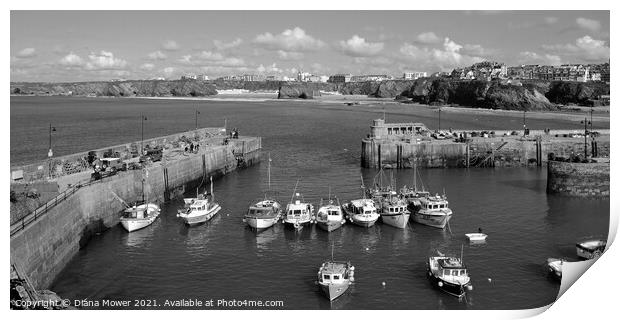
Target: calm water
320, 146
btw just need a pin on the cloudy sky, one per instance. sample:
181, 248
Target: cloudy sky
89, 45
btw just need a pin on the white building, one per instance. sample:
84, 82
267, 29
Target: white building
414, 75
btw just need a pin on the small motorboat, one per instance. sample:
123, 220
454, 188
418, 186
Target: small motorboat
200, 209
139, 216
335, 277
425, 208
476, 237
298, 212
449, 274
263, 214
554, 266
393, 211
591, 249
330, 216
361, 212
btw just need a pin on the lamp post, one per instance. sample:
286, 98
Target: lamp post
197, 113
142, 118
50, 153
524, 111
439, 130
585, 135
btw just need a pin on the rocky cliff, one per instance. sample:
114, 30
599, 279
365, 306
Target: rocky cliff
132, 88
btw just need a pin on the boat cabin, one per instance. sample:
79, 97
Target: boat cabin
363, 207
434, 203
298, 210
333, 273
330, 212
198, 205
451, 269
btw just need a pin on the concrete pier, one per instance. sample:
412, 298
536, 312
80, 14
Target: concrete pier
403, 144
45, 246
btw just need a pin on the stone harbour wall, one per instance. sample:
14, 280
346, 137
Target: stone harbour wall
578, 179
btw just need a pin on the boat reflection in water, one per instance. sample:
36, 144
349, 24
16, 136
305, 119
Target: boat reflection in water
143, 237
200, 236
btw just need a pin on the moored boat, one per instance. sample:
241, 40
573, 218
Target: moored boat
394, 212
476, 237
139, 216
591, 249
449, 274
361, 212
426, 209
265, 212
298, 212
335, 277
200, 209
330, 216
554, 266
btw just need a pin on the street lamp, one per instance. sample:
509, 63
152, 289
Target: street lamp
197, 113
585, 135
524, 111
142, 119
439, 119
50, 153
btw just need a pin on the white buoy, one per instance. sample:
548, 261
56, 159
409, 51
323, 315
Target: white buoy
383, 283
367, 249
489, 279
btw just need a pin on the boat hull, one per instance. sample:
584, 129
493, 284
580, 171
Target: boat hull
397, 220
260, 223
454, 289
329, 226
437, 221
197, 219
296, 224
333, 291
363, 223
136, 224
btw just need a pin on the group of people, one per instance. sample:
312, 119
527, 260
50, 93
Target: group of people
192, 147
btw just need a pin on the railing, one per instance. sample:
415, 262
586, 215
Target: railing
31, 217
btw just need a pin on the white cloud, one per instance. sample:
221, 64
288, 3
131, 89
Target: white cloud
428, 38
589, 24
450, 56
220, 45
270, 69
289, 40
290, 55
157, 55
476, 50
210, 59
104, 60
585, 48
358, 47
529, 57
27, 53
170, 45
71, 60
147, 66
168, 71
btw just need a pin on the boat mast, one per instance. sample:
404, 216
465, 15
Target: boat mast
461, 253
363, 187
415, 180
212, 196
269, 171
332, 251
294, 190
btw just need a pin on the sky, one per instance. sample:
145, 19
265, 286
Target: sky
61, 46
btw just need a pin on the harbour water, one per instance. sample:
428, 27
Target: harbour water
319, 144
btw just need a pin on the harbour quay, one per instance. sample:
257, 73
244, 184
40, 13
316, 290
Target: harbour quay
403, 145
84, 194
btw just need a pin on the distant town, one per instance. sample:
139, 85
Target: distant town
487, 70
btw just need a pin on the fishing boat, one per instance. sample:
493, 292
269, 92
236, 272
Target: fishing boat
141, 214
335, 277
554, 266
426, 209
380, 190
200, 209
394, 212
591, 249
449, 274
361, 212
265, 212
298, 212
330, 216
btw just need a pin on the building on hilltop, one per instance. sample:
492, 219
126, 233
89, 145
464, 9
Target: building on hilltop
189, 77
339, 78
414, 75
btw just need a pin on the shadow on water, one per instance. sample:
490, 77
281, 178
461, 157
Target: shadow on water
93, 228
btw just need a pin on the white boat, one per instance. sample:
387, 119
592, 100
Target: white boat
335, 277
265, 212
591, 249
200, 209
393, 211
361, 212
476, 237
554, 266
449, 274
426, 209
139, 216
298, 212
330, 216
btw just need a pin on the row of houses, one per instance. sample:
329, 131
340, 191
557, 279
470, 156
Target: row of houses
568, 72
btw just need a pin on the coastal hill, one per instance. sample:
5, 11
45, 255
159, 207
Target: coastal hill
495, 94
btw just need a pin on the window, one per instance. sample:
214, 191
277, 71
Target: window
326, 277
391, 209
297, 212
336, 277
